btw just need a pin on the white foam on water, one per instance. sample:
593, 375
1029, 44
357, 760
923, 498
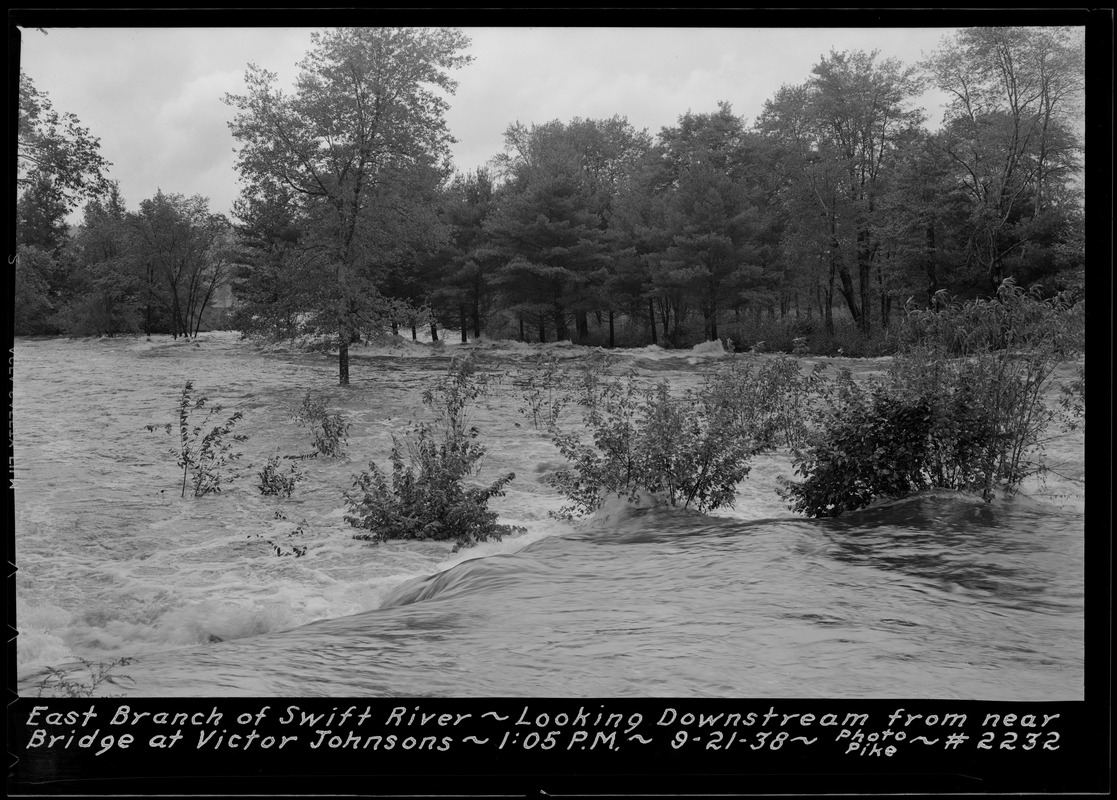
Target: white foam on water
113, 562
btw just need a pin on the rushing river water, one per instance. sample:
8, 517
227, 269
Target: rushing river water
937, 596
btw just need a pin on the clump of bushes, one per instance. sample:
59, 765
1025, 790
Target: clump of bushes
329, 432
276, 481
206, 455
872, 443
963, 406
426, 496
688, 449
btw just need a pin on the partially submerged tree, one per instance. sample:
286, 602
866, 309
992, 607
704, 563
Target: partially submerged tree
364, 127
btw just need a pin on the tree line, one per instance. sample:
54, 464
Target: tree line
818, 221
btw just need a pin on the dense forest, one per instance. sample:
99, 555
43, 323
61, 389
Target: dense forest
812, 228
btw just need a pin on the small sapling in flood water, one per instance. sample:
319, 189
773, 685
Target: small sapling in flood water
329, 432
205, 456
427, 498
274, 481
59, 682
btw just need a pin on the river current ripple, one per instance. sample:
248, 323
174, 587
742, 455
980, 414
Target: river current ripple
936, 596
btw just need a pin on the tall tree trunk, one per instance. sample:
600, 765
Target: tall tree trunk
542, 329
865, 279
434, 331
522, 337
560, 322
885, 300
581, 320
828, 307
343, 355
611, 338
932, 272
461, 318
344, 325
849, 294
651, 318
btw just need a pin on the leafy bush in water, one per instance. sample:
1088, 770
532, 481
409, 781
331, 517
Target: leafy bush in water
205, 456
690, 450
876, 444
274, 481
970, 388
543, 394
425, 496
549, 389
329, 431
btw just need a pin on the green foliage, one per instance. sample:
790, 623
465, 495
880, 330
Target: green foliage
183, 247
274, 481
55, 148
543, 397
427, 497
32, 306
59, 683
1073, 402
963, 407
377, 207
690, 450
549, 388
205, 456
877, 446
105, 306
329, 432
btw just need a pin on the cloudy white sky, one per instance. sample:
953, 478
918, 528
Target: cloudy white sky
154, 95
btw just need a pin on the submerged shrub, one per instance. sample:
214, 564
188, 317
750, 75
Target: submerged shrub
549, 389
878, 446
1072, 403
205, 456
543, 393
689, 450
329, 432
274, 481
963, 407
426, 496
59, 683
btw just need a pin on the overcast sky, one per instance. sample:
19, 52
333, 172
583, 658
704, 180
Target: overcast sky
154, 95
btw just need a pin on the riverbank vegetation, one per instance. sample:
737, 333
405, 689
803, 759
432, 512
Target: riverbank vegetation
430, 494
837, 223
966, 405
807, 230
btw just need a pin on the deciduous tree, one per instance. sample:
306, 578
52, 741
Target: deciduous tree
364, 124
55, 148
